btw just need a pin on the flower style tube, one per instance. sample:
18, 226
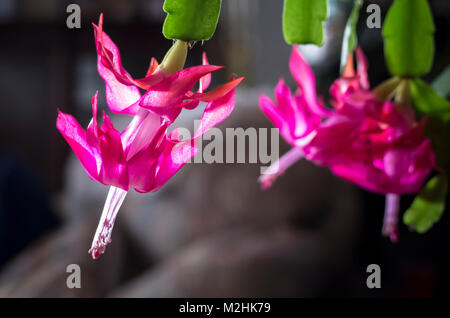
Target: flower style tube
143, 156
373, 143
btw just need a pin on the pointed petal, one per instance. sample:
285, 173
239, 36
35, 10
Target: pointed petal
216, 111
272, 112
190, 104
205, 80
114, 169
305, 79
120, 98
92, 132
121, 92
349, 70
280, 115
176, 154
171, 91
289, 110
218, 92
109, 54
75, 136
284, 99
152, 67
363, 66
152, 79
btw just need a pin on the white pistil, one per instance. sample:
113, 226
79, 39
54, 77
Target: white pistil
104, 229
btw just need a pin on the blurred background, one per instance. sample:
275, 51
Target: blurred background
210, 231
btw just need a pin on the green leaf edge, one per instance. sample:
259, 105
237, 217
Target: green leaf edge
308, 39
390, 28
433, 194
172, 35
442, 83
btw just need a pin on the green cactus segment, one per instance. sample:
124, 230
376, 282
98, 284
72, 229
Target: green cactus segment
408, 38
191, 20
303, 21
428, 207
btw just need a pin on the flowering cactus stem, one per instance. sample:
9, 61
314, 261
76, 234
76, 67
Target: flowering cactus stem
279, 167
102, 236
390, 222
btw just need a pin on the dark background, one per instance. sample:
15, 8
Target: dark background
210, 231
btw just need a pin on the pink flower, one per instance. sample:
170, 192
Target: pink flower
372, 143
143, 156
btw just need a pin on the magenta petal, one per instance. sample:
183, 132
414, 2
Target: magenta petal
171, 91
151, 80
190, 104
216, 93
121, 93
349, 84
176, 154
291, 115
152, 67
109, 54
342, 88
205, 80
121, 99
285, 103
292, 110
75, 136
408, 167
114, 170
277, 119
143, 166
281, 115
92, 132
305, 79
216, 111
363, 66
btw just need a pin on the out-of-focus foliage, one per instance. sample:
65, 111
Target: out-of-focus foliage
428, 103
408, 38
350, 40
303, 21
428, 206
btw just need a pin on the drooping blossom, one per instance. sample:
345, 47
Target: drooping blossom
375, 144
143, 156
